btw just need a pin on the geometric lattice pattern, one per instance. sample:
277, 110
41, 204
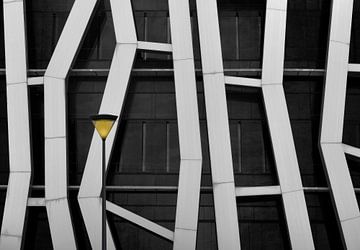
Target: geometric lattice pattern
184, 235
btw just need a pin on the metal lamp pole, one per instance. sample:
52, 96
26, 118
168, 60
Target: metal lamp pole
103, 124
103, 220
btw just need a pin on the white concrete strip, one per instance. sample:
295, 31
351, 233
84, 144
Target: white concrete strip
332, 148
140, 221
36, 202
35, 81
354, 67
243, 81
18, 126
227, 228
280, 129
187, 206
162, 47
257, 191
351, 150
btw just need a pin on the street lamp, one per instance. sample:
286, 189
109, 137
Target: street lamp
103, 124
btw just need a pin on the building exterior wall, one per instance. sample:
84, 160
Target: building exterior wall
143, 170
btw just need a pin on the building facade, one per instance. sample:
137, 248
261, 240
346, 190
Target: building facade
238, 125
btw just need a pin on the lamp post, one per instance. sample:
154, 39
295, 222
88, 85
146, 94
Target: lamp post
103, 124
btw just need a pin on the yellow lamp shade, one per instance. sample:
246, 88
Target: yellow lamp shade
103, 124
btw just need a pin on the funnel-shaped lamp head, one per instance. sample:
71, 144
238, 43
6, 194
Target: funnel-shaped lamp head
103, 124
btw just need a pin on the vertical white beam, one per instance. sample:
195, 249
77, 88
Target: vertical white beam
112, 102
56, 126
280, 130
338, 174
218, 126
189, 126
18, 126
